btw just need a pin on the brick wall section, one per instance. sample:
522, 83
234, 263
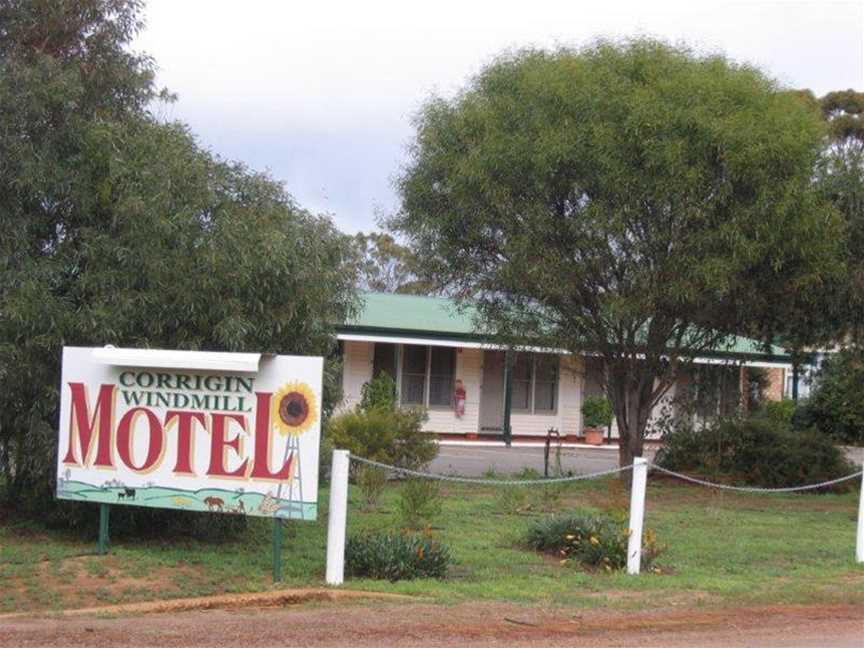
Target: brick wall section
776, 383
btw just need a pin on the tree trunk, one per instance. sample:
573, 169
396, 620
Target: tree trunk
630, 390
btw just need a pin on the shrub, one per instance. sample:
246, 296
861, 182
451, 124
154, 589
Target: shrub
390, 436
380, 392
780, 412
396, 557
419, 502
588, 539
757, 451
372, 482
836, 404
596, 412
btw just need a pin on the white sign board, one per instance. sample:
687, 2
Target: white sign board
220, 432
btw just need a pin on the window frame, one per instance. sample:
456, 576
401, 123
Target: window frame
532, 386
402, 374
439, 406
427, 376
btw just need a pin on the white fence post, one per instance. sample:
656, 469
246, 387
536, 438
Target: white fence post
637, 514
338, 515
859, 546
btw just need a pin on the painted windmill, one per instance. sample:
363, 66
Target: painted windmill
293, 411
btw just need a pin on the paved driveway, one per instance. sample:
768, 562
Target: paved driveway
474, 460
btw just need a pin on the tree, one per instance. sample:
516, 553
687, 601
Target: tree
635, 200
386, 266
840, 178
119, 229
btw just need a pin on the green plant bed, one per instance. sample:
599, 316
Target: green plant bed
395, 557
588, 539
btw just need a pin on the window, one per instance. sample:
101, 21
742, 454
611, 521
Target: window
717, 390
427, 375
442, 366
522, 374
545, 383
535, 383
384, 360
414, 367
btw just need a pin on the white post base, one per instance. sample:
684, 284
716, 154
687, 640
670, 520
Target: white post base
338, 517
637, 515
859, 545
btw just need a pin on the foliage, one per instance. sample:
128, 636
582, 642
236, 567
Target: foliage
588, 539
372, 481
121, 229
395, 557
380, 392
383, 265
666, 193
419, 502
779, 412
836, 403
392, 437
756, 451
596, 412
838, 314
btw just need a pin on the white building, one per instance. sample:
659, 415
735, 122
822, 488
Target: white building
426, 345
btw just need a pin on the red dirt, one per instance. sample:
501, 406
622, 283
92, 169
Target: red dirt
415, 624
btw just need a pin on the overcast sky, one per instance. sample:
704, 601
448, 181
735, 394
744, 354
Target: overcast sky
321, 94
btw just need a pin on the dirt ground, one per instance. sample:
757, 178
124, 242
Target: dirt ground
479, 624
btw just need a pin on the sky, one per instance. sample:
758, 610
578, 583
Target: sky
321, 94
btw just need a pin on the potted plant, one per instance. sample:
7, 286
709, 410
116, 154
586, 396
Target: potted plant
596, 416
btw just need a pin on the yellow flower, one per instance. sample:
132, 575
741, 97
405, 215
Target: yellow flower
570, 537
594, 541
293, 409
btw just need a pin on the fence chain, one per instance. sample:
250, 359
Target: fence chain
753, 489
491, 482
594, 475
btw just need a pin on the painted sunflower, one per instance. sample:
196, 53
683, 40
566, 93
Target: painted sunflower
293, 409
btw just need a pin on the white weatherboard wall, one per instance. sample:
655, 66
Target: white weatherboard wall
196, 438
357, 370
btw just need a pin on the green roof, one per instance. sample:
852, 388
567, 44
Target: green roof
438, 317
415, 313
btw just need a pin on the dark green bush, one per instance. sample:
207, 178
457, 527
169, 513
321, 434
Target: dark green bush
756, 451
836, 404
588, 539
395, 557
780, 412
82, 518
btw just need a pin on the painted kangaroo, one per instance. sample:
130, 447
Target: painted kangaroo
126, 493
214, 504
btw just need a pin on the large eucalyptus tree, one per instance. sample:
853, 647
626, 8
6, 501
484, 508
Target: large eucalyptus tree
118, 228
636, 200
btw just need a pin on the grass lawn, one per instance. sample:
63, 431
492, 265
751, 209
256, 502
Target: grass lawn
720, 549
